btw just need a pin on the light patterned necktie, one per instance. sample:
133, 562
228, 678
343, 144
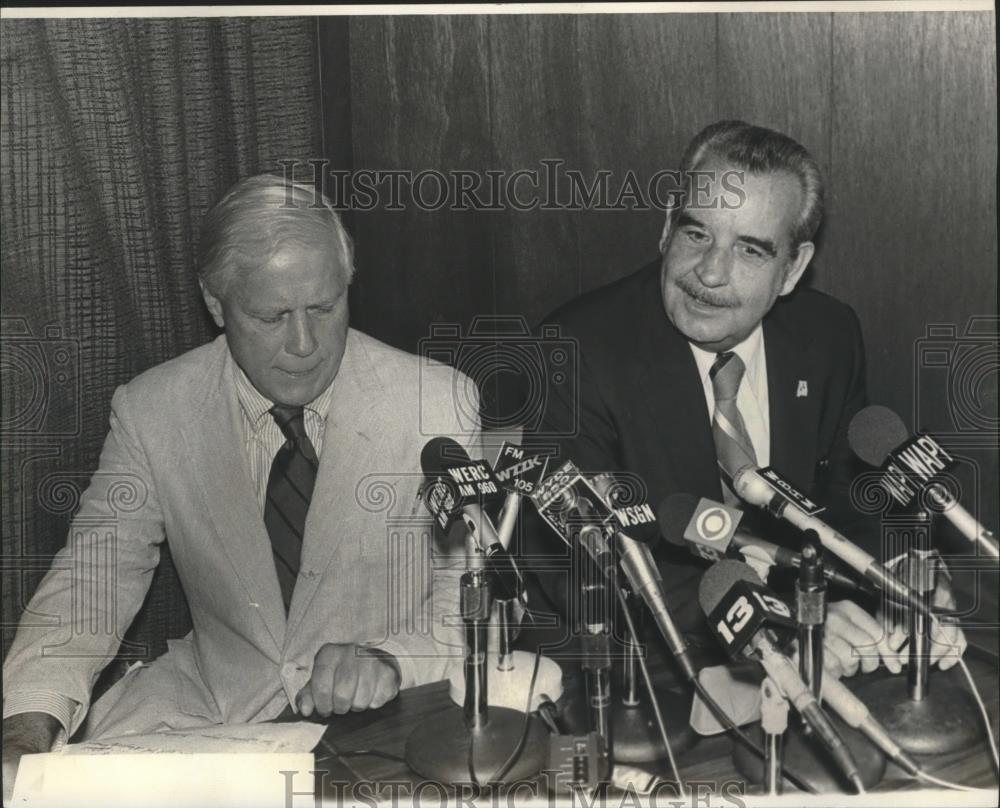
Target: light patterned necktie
733, 448
289, 491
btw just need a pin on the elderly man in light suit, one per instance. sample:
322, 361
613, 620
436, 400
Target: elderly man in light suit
198, 441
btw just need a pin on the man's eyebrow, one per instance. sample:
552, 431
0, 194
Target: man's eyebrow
685, 218
267, 311
764, 244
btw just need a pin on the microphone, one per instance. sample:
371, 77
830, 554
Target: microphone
855, 714
458, 484
910, 465
643, 575
738, 608
518, 472
711, 530
750, 484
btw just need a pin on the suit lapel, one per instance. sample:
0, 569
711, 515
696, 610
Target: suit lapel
215, 445
351, 437
793, 401
672, 390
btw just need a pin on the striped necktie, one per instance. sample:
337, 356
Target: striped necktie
289, 491
733, 448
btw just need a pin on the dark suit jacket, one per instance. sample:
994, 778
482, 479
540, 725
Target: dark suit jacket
640, 408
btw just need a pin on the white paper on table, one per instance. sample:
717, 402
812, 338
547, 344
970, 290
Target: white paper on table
238, 765
295, 736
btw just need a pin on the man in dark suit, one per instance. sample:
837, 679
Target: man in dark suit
711, 358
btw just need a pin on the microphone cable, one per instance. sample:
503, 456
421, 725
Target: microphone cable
649, 688
937, 781
982, 709
519, 746
936, 623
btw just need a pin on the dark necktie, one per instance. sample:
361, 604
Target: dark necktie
289, 491
733, 448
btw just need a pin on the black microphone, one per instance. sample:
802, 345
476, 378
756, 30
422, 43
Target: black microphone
738, 609
750, 484
911, 465
712, 531
458, 484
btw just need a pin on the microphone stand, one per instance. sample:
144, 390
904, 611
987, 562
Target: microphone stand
773, 722
468, 743
923, 720
637, 736
810, 593
803, 754
595, 640
511, 675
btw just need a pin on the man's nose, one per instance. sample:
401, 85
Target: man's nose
715, 267
300, 341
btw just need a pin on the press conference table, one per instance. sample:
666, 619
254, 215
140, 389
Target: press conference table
709, 760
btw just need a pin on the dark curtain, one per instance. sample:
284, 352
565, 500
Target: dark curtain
116, 136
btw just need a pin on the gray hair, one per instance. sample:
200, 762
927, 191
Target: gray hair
762, 151
259, 213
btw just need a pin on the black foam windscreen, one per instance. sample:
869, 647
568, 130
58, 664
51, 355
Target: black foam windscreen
719, 579
674, 514
874, 432
440, 454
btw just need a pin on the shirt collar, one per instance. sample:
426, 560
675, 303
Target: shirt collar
256, 406
749, 351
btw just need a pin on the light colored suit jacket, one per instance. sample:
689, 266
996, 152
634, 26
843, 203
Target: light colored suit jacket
174, 467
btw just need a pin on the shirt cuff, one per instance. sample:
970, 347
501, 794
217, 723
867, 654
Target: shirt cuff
62, 708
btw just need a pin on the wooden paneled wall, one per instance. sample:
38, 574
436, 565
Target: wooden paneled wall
899, 109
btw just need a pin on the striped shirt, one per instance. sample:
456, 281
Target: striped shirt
262, 437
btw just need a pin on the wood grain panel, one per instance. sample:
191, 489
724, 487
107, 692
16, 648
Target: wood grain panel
535, 114
775, 71
912, 238
648, 84
419, 102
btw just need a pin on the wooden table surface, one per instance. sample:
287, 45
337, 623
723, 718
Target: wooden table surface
386, 731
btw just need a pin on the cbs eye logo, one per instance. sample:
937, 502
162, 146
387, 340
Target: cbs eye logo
713, 524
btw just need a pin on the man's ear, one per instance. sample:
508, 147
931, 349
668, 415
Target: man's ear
214, 305
665, 235
797, 267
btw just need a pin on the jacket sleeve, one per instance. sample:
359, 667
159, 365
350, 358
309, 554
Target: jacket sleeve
430, 652
74, 623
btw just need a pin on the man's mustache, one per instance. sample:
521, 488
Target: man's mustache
705, 296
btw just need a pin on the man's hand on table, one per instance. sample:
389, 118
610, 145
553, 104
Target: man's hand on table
348, 677
857, 640
948, 643
24, 734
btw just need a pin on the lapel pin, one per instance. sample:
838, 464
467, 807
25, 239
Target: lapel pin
803, 390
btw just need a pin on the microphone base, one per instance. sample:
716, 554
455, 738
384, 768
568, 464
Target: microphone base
945, 720
438, 750
808, 760
635, 734
510, 688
